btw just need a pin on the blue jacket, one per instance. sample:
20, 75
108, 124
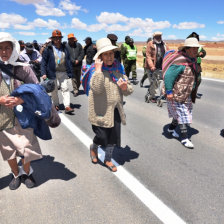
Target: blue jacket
36, 107
48, 66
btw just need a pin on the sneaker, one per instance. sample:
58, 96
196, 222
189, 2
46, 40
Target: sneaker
173, 133
15, 183
68, 110
29, 181
187, 143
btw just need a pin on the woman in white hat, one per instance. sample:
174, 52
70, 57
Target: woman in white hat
107, 87
15, 141
181, 83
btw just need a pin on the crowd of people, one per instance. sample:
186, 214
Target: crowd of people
109, 67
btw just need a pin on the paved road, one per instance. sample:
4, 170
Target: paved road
72, 190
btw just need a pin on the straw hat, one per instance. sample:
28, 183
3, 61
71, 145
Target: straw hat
190, 42
157, 33
103, 45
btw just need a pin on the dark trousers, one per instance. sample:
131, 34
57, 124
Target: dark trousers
76, 78
108, 136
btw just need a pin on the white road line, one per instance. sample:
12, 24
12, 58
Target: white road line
164, 213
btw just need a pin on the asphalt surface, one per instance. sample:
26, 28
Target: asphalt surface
70, 189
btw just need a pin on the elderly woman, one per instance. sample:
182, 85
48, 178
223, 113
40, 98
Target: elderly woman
107, 87
181, 83
15, 141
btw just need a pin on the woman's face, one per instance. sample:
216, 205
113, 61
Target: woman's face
192, 52
108, 57
5, 50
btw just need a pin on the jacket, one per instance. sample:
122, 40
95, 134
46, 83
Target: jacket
35, 109
48, 66
104, 96
89, 52
151, 51
76, 53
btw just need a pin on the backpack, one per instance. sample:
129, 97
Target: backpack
170, 57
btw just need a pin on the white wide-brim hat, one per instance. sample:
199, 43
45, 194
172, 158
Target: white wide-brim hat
103, 45
190, 42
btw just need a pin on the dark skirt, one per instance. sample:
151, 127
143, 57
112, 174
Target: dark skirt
109, 136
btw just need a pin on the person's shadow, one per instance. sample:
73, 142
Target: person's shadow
122, 155
191, 131
44, 170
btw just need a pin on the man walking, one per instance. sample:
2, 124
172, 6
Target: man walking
76, 55
56, 65
155, 51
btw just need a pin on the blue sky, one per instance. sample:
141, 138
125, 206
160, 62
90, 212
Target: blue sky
35, 19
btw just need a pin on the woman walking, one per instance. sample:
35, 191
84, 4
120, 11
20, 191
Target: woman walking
107, 87
181, 83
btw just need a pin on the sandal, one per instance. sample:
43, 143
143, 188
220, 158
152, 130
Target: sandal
112, 167
93, 155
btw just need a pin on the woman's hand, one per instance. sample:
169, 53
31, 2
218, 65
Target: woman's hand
122, 84
98, 65
10, 101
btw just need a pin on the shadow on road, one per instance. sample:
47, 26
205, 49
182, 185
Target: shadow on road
191, 131
122, 155
47, 169
44, 170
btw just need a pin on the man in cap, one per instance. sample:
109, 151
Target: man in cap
145, 76
33, 57
117, 53
130, 58
76, 55
89, 50
22, 45
56, 65
155, 51
47, 41
201, 54
36, 45
124, 49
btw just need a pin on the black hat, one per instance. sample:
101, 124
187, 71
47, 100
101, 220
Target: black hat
194, 34
29, 46
149, 39
112, 37
131, 40
88, 38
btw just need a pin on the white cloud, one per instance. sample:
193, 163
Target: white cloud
27, 33
220, 22
72, 8
50, 24
47, 9
96, 27
111, 18
23, 27
188, 25
27, 2
77, 24
116, 27
218, 37
203, 37
8, 20
172, 37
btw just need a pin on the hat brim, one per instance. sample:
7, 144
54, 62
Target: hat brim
56, 36
184, 46
105, 49
29, 48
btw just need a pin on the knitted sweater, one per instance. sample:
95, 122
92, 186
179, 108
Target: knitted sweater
104, 97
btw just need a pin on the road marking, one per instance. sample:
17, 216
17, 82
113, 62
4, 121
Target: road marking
162, 212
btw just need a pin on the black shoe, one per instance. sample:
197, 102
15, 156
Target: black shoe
135, 82
29, 181
15, 183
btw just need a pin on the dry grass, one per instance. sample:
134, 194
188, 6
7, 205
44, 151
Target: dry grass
212, 64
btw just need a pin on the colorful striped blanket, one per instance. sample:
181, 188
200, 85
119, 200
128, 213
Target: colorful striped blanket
88, 71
